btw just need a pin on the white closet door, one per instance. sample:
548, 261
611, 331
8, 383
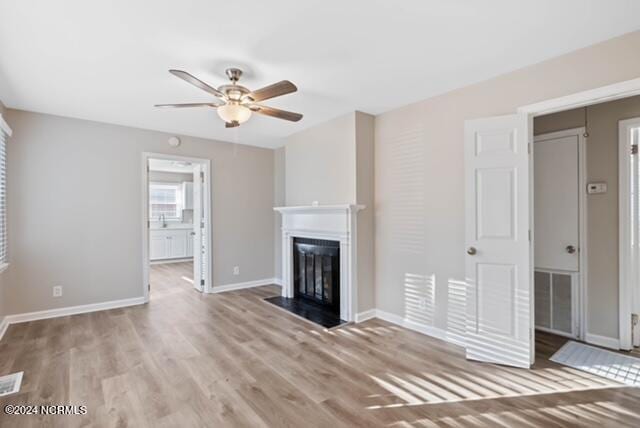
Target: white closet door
556, 203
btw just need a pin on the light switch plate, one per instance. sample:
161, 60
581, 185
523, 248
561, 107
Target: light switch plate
595, 188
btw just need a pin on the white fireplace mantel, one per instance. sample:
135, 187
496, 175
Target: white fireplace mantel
332, 222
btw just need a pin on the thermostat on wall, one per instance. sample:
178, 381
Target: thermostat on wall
593, 188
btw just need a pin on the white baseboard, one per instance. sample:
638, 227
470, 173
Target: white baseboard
366, 315
277, 281
167, 261
242, 285
604, 341
70, 310
428, 330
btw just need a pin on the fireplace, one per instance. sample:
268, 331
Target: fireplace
334, 290
316, 272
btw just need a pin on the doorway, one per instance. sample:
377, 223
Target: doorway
500, 234
629, 240
176, 224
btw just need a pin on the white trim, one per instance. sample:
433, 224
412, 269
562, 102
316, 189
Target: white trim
366, 315
602, 94
3, 267
604, 341
428, 330
277, 281
583, 249
69, 310
243, 285
4, 126
628, 254
166, 261
611, 92
207, 189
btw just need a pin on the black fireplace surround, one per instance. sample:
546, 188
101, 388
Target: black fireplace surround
316, 272
316, 282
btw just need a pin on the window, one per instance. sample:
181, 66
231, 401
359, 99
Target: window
4, 135
165, 199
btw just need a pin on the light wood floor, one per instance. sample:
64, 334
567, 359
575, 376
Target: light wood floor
230, 359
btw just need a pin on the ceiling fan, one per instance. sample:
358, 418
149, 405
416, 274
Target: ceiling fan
235, 103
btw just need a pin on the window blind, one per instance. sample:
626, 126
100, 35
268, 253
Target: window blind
3, 198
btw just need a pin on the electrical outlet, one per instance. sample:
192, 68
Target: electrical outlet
236, 270
57, 291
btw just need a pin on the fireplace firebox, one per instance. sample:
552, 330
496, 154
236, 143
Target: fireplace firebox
316, 272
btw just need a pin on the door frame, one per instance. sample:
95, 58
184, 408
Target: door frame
615, 91
628, 255
206, 163
582, 219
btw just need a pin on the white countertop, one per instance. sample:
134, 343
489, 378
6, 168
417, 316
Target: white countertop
180, 226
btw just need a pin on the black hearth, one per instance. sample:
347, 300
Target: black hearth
316, 282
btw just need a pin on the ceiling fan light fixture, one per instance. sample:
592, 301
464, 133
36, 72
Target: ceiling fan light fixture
233, 112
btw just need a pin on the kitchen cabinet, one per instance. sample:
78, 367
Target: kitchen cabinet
170, 244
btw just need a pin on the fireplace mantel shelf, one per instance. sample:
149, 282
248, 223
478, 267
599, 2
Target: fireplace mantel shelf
301, 209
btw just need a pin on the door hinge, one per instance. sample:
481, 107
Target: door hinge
634, 149
529, 235
202, 282
149, 285
529, 148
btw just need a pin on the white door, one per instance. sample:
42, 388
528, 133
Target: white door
198, 278
498, 254
556, 193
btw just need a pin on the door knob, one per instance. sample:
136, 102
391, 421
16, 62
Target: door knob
472, 251
570, 249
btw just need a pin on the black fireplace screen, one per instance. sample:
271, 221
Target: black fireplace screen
316, 271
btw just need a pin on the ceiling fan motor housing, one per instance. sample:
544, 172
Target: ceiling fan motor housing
233, 74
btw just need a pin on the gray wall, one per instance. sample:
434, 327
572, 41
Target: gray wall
332, 163
75, 210
602, 210
320, 163
364, 124
419, 169
279, 199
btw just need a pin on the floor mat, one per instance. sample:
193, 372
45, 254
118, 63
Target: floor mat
610, 365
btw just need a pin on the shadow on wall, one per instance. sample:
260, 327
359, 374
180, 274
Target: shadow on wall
407, 190
456, 307
419, 298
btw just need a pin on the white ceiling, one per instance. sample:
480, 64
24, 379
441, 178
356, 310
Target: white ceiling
108, 60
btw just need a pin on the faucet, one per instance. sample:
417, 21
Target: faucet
163, 219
